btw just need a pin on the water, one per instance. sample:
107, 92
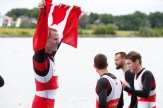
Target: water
77, 76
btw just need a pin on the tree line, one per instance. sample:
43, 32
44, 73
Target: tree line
124, 22
136, 21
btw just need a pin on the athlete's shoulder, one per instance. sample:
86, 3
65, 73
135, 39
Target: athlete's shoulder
147, 73
129, 76
128, 72
112, 76
40, 56
102, 82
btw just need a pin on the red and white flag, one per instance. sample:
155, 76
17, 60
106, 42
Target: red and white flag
61, 17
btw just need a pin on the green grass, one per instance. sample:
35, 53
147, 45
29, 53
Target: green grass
18, 32
126, 33
118, 33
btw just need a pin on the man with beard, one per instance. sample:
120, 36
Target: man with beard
128, 76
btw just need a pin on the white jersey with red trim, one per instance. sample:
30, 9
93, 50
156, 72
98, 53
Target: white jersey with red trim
144, 102
113, 98
46, 87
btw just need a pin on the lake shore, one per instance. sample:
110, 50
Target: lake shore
29, 32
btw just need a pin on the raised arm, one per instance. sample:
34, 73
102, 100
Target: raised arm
42, 4
41, 32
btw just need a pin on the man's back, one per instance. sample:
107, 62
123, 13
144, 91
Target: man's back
109, 91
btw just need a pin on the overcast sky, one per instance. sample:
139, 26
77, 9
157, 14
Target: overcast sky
115, 7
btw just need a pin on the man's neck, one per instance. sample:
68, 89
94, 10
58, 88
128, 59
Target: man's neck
102, 71
139, 69
124, 68
48, 50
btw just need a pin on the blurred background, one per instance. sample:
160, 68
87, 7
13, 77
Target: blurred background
107, 26
110, 18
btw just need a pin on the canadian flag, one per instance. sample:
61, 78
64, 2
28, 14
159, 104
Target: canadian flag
61, 17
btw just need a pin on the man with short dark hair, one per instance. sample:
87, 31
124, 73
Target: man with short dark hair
144, 81
109, 88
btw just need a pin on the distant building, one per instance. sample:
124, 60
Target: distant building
6, 21
1, 20
25, 20
97, 21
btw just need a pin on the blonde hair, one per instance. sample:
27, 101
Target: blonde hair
49, 32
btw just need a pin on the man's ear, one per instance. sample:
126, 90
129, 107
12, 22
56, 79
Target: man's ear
107, 65
94, 65
137, 61
124, 60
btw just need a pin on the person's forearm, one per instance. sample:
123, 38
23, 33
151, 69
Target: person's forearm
121, 101
102, 99
102, 105
102, 102
133, 100
140, 93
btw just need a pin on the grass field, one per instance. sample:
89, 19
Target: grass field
126, 33
20, 32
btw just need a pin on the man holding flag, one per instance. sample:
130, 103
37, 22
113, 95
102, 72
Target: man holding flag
56, 24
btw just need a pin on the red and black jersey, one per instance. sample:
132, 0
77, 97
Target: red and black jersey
106, 90
145, 85
46, 79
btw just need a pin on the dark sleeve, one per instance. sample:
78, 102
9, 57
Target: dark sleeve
1, 81
147, 79
133, 102
129, 77
41, 63
40, 56
102, 86
121, 101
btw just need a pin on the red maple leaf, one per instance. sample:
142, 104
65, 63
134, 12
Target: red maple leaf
59, 13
